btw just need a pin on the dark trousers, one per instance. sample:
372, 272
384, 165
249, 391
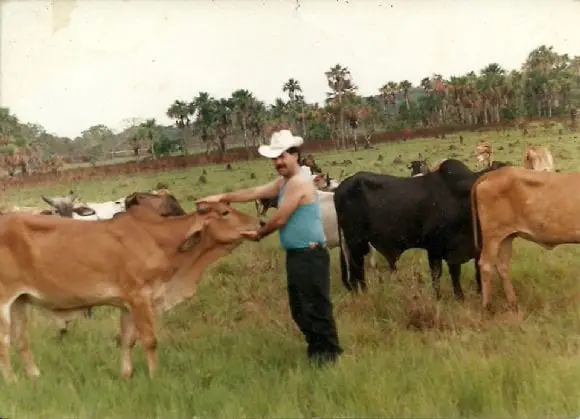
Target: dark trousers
308, 293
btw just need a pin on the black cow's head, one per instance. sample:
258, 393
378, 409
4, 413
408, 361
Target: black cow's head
418, 167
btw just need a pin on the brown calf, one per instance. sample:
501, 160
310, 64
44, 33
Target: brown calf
512, 202
162, 202
139, 262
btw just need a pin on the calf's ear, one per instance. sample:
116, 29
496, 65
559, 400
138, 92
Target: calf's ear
190, 242
192, 238
48, 200
84, 211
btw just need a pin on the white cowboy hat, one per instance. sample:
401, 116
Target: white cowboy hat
280, 141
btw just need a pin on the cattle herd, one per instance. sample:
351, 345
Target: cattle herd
147, 254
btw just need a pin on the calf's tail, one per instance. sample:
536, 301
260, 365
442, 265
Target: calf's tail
475, 217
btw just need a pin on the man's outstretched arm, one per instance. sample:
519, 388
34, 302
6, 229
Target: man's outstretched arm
295, 191
269, 190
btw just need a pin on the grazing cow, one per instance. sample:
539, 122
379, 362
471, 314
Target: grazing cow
484, 153
394, 214
539, 159
418, 167
541, 207
139, 262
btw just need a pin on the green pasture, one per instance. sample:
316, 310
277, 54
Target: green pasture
233, 351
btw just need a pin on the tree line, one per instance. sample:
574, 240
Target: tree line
546, 85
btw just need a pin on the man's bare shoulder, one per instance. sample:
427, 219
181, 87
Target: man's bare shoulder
299, 180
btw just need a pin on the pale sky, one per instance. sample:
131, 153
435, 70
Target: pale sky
119, 59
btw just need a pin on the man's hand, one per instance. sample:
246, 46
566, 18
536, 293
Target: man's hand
211, 199
251, 235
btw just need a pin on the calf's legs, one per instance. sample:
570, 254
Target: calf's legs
496, 255
127, 341
20, 336
503, 270
142, 315
138, 322
7, 372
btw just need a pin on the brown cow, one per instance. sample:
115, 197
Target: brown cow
139, 262
539, 159
161, 201
512, 202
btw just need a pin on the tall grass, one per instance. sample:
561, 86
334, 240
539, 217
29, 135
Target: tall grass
233, 351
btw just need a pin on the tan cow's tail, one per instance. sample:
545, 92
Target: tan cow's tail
475, 216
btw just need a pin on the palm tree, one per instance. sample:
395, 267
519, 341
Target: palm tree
340, 82
180, 111
492, 83
292, 86
205, 116
256, 120
242, 102
148, 130
224, 109
404, 87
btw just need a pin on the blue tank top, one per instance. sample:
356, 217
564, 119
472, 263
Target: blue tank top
304, 225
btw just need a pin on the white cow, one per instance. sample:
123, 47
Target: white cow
65, 206
103, 210
330, 224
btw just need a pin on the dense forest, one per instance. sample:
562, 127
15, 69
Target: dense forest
546, 85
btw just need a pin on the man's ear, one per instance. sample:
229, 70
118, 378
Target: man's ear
84, 211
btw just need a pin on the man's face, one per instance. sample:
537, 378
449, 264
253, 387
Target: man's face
286, 163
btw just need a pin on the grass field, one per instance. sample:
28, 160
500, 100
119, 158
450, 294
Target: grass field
233, 351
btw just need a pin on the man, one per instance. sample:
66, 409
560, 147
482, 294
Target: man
302, 236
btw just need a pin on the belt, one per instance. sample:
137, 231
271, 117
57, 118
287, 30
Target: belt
311, 246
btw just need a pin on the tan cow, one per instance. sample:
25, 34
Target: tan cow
139, 262
484, 153
512, 202
539, 159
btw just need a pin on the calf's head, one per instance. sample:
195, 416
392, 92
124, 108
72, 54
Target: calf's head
218, 224
418, 167
162, 203
65, 205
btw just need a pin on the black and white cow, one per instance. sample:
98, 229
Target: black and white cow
418, 167
394, 214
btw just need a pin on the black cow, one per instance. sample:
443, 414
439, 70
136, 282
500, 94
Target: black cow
430, 212
418, 167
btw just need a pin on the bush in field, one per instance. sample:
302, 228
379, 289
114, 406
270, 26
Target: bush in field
165, 145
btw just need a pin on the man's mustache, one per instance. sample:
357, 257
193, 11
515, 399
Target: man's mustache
280, 166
